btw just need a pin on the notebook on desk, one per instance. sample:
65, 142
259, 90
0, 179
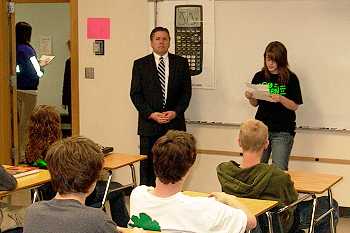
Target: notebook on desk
20, 171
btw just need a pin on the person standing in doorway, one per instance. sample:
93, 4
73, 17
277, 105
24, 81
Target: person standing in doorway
279, 113
28, 70
161, 91
66, 92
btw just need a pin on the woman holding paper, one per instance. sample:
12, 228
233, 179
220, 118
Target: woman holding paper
278, 113
28, 71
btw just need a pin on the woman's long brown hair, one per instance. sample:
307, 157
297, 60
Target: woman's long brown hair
44, 129
277, 52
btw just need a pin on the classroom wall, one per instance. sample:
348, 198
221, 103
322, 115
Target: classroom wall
49, 19
106, 112
108, 116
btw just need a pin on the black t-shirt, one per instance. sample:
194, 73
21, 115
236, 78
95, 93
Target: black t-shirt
277, 117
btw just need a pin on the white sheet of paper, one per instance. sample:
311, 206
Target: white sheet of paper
45, 59
259, 91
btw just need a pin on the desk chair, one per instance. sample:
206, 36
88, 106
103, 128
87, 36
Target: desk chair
303, 215
115, 197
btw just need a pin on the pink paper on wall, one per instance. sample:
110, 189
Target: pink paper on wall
98, 28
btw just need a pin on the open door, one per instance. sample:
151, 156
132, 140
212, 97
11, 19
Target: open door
8, 92
8, 140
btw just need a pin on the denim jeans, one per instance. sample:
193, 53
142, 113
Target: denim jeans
280, 146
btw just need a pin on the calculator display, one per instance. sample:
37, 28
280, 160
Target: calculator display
189, 35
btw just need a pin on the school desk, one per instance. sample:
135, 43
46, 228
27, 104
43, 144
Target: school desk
316, 183
117, 160
32, 181
255, 206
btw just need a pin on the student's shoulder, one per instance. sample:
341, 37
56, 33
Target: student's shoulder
141, 190
97, 218
258, 77
25, 49
280, 175
292, 76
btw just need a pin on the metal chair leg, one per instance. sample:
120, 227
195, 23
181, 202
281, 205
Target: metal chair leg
106, 190
312, 222
269, 220
332, 226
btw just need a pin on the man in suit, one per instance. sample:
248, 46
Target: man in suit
161, 91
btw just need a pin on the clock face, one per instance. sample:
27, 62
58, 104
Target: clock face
188, 17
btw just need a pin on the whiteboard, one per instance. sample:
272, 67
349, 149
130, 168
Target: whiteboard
317, 36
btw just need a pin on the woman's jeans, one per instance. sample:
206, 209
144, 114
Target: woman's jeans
280, 146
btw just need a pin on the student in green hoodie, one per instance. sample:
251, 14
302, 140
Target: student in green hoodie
253, 179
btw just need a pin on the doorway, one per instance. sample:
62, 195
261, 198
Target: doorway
8, 109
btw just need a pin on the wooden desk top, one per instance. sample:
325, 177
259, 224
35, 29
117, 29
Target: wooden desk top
310, 182
117, 160
128, 230
30, 181
255, 206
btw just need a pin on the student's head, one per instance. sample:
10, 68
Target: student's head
160, 40
253, 136
173, 156
275, 60
74, 164
23, 33
43, 130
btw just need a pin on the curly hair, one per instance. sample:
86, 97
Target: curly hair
44, 129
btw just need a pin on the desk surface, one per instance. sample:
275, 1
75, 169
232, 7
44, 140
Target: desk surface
30, 181
310, 182
255, 206
128, 230
117, 160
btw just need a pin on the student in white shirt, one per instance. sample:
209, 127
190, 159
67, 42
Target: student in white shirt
166, 208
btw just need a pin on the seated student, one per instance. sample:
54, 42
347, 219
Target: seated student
44, 130
166, 208
74, 165
253, 179
7, 181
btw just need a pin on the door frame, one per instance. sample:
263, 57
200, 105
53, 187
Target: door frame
6, 137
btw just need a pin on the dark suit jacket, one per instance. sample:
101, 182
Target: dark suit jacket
146, 93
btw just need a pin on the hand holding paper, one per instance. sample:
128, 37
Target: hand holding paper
259, 91
45, 60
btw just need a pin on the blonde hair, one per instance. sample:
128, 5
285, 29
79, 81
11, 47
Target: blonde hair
253, 135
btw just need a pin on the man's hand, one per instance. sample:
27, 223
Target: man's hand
169, 115
158, 117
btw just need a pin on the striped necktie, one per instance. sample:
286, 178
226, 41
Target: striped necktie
161, 75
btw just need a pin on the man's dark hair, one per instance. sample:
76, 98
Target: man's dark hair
158, 29
23, 33
74, 164
173, 155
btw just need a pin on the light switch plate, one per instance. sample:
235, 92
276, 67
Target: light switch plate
89, 72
